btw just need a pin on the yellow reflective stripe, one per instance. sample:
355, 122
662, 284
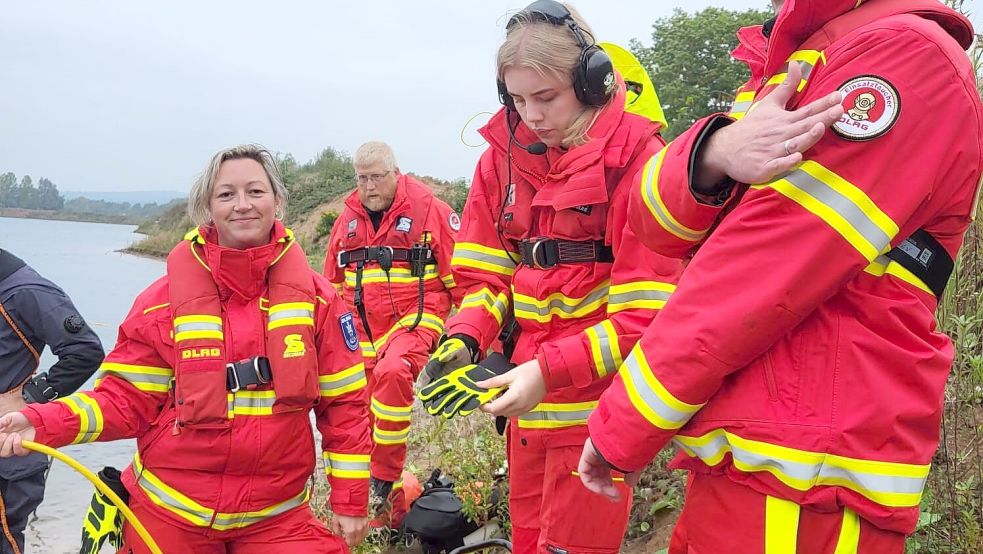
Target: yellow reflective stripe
396, 275
427, 321
89, 413
237, 520
890, 484
291, 313
251, 403
169, 498
604, 347
144, 378
655, 205
646, 295
849, 539
385, 437
347, 380
368, 351
189, 327
390, 413
470, 254
843, 206
497, 306
781, 525
155, 308
649, 397
557, 415
741, 104
346, 466
808, 60
560, 305
882, 265
448, 280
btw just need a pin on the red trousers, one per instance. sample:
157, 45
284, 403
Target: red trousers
550, 508
391, 381
721, 516
296, 531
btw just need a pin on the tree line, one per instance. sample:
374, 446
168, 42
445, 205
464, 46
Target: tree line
24, 194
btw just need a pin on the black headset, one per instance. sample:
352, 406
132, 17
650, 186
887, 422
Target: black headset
593, 77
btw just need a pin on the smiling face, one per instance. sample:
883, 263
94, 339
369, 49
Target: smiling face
242, 204
547, 105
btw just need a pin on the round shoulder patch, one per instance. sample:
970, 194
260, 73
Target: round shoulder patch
74, 324
871, 105
454, 221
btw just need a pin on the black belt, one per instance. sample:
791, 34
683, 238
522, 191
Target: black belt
928, 260
248, 374
385, 255
544, 253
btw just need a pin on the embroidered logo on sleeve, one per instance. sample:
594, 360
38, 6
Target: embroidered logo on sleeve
454, 221
347, 322
871, 105
293, 346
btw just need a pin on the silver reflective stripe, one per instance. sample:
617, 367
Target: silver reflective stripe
284, 314
631, 296
134, 377
349, 466
196, 326
740, 107
198, 517
649, 396
650, 184
254, 401
806, 68
382, 411
557, 416
556, 304
816, 474
344, 381
467, 254
91, 431
248, 518
841, 205
605, 340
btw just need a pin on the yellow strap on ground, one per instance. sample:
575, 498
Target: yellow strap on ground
103, 488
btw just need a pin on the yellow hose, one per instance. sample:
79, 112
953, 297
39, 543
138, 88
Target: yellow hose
103, 488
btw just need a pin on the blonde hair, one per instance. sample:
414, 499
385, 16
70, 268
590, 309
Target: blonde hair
374, 152
549, 50
201, 190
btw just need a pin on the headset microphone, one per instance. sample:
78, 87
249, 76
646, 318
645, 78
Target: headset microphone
534, 148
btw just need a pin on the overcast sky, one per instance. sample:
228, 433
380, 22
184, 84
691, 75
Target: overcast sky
124, 96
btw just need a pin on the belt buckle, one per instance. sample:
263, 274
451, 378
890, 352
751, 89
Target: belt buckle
340, 265
230, 368
536, 249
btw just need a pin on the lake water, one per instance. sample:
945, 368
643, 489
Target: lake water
83, 259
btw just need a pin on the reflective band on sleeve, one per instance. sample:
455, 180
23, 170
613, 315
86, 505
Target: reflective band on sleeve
646, 295
477, 256
781, 525
198, 515
844, 207
889, 484
346, 466
291, 313
144, 378
197, 327
650, 397
448, 280
89, 414
560, 305
385, 437
368, 351
882, 265
741, 104
390, 413
497, 306
604, 348
655, 205
336, 384
554, 416
427, 321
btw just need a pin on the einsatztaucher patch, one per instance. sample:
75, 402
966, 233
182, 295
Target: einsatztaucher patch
871, 107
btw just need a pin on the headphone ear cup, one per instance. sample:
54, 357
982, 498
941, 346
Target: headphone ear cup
503, 95
595, 77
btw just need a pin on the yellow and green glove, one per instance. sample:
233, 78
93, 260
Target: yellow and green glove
454, 352
458, 393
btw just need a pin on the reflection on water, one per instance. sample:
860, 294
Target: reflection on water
82, 259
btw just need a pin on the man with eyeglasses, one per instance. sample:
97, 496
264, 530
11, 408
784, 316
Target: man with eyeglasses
389, 256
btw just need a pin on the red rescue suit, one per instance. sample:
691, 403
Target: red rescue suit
234, 480
577, 319
392, 301
795, 358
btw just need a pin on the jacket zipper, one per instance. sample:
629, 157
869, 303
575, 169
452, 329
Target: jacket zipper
769, 371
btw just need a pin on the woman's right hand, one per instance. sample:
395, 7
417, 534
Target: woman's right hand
14, 428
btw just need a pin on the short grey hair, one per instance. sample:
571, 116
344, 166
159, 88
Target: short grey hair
375, 152
201, 190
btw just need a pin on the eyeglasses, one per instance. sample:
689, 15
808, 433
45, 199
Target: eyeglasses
375, 177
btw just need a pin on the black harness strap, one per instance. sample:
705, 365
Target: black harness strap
545, 253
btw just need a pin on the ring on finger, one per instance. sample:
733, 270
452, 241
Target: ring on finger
788, 151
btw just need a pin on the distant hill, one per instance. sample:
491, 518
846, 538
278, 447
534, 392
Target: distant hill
133, 197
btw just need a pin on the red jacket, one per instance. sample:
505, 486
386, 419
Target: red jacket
794, 357
579, 319
256, 464
391, 304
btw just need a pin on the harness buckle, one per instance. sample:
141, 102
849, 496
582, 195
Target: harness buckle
544, 253
248, 374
